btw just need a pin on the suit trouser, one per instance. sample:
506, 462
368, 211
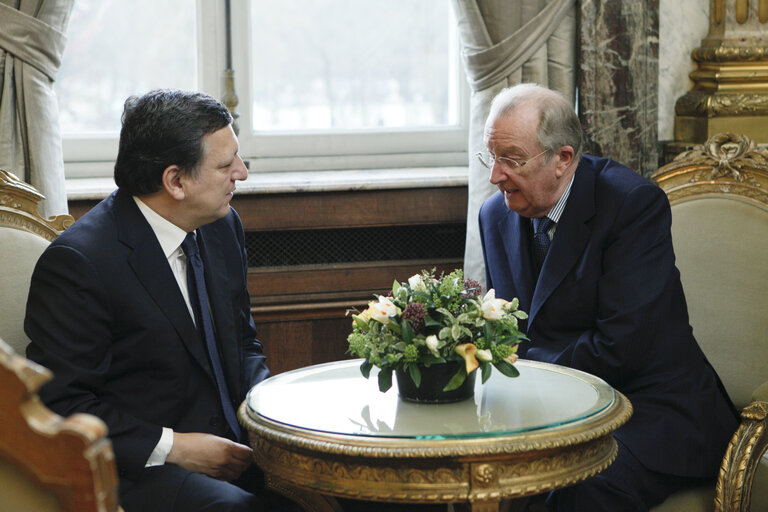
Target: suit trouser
627, 486
170, 488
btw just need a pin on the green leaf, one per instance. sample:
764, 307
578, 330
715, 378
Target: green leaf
457, 380
365, 369
413, 369
385, 380
507, 369
394, 327
486, 369
431, 322
431, 359
407, 331
362, 324
395, 286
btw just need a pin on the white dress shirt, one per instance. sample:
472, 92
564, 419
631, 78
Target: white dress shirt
170, 237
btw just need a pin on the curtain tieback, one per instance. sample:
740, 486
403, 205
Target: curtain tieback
488, 66
37, 43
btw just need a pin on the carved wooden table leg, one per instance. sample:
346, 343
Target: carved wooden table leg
307, 500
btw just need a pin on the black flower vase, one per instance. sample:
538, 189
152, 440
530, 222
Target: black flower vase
433, 379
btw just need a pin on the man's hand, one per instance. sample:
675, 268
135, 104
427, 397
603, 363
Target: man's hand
211, 455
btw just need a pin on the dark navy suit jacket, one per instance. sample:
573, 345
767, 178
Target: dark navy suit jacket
609, 302
106, 315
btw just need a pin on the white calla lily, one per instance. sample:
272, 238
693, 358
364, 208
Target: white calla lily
484, 355
432, 342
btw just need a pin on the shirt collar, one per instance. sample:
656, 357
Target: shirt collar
168, 234
557, 210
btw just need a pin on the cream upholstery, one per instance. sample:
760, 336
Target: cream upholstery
24, 235
719, 198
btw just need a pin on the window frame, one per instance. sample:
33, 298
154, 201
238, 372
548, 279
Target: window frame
92, 156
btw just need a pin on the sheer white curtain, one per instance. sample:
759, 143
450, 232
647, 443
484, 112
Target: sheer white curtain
32, 40
506, 42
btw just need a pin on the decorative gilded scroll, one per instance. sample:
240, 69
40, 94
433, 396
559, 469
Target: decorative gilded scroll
723, 104
737, 472
18, 208
725, 163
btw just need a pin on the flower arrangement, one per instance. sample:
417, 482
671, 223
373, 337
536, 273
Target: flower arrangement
431, 320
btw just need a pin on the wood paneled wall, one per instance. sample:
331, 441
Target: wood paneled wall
300, 310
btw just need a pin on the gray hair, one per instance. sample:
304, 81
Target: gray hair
558, 123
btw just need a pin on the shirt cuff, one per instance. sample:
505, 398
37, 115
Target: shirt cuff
163, 448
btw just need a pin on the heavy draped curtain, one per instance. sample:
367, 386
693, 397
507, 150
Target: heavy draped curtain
32, 40
507, 42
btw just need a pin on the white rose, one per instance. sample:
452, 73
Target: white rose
431, 342
416, 282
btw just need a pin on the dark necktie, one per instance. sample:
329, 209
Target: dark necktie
198, 296
541, 239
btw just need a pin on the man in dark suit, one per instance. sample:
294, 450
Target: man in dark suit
112, 313
585, 245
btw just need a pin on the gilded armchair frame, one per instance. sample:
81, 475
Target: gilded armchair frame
68, 457
728, 164
18, 208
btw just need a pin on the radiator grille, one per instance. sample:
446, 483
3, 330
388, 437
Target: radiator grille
308, 247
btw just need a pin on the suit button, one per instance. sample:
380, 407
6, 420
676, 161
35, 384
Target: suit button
216, 421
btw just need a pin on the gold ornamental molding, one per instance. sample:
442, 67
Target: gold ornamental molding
18, 207
730, 91
737, 472
727, 162
479, 470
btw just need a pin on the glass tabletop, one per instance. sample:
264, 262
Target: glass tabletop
336, 398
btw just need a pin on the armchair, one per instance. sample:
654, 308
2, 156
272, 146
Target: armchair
49, 463
719, 197
24, 235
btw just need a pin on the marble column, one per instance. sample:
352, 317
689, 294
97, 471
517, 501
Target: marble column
730, 92
618, 80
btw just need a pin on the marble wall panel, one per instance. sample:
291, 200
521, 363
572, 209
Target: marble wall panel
618, 83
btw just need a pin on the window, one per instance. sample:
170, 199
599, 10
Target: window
322, 84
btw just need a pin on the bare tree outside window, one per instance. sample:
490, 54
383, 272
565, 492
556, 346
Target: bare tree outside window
352, 64
117, 48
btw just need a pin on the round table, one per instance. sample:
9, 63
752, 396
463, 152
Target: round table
326, 429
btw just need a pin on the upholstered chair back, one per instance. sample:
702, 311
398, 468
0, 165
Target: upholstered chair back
24, 235
718, 193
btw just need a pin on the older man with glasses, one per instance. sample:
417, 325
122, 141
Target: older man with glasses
585, 244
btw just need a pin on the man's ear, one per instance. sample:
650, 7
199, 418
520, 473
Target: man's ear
172, 182
565, 154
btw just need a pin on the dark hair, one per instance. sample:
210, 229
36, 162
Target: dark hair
162, 128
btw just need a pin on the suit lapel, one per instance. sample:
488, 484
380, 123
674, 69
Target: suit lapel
222, 308
571, 237
517, 246
152, 270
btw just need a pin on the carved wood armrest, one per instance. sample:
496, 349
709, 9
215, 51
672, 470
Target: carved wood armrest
742, 458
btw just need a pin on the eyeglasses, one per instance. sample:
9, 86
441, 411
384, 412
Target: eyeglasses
488, 159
